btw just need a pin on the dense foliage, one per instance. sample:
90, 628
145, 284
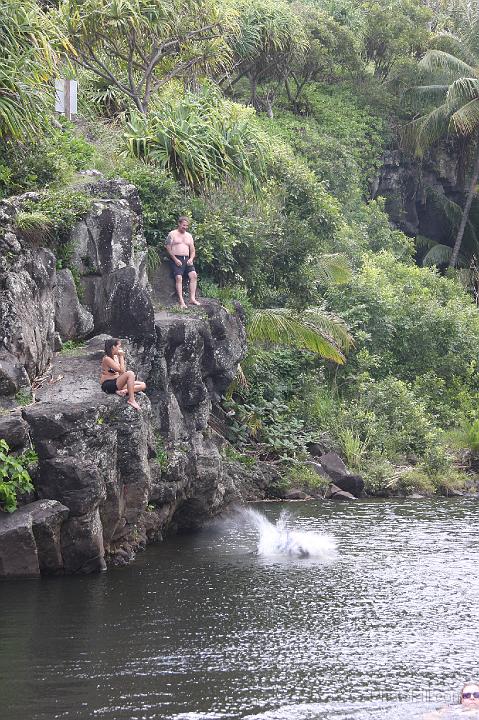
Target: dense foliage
266, 122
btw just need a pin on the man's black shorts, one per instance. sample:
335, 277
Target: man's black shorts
184, 269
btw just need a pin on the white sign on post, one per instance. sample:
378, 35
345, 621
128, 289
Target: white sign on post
66, 94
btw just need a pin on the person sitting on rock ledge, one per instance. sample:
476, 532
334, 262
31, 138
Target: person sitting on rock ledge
181, 249
115, 378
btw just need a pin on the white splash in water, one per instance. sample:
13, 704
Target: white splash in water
280, 540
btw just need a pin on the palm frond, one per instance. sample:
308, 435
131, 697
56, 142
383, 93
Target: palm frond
462, 91
451, 66
421, 94
424, 243
438, 255
423, 132
334, 269
465, 120
452, 213
313, 330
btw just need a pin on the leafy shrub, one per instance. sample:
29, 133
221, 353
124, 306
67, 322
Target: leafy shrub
270, 427
52, 160
466, 436
230, 453
33, 226
161, 453
61, 209
201, 139
71, 347
413, 321
14, 478
161, 198
227, 296
303, 476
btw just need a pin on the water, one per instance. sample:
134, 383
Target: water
205, 628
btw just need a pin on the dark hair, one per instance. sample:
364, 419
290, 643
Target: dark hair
109, 345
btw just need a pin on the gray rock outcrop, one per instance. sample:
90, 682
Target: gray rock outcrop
72, 320
110, 479
30, 539
40, 305
110, 255
405, 183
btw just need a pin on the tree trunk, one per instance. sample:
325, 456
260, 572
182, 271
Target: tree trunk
465, 212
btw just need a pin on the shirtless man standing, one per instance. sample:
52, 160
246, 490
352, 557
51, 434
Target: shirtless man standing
181, 249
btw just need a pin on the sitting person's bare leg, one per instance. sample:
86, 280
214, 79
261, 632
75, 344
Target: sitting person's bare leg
128, 378
193, 285
140, 386
179, 290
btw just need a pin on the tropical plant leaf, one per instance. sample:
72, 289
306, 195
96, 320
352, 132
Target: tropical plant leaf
334, 269
313, 330
438, 255
452, 213
450, 65
466, 119
462, 91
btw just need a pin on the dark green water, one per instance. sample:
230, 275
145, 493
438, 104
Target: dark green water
201, 628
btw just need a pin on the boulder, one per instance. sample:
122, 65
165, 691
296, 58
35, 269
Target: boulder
96, 452
296, 494
14, 430
73, 481
18, 548
335, 468
72, 320
110, 256
353, 484
27, 312
335, 493
120, 304
48, 517
163, 287
82, 544
13, 376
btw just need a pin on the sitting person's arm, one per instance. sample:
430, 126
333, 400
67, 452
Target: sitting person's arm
113, 363
120, 357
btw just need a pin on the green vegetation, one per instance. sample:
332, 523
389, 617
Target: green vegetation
14, 476
265, 122
23, 397
161, 453
71, 347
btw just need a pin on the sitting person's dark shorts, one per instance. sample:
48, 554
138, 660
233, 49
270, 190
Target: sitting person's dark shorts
109, 386
184, 269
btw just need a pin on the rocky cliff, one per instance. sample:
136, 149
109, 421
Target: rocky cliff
109, 479
407, 184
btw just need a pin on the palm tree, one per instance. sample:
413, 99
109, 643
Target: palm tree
454, 89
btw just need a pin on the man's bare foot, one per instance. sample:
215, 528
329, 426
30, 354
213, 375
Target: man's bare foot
122, 393
134, 404
183, 306
194, 302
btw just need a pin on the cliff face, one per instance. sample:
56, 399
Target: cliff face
109, 479
405, 183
